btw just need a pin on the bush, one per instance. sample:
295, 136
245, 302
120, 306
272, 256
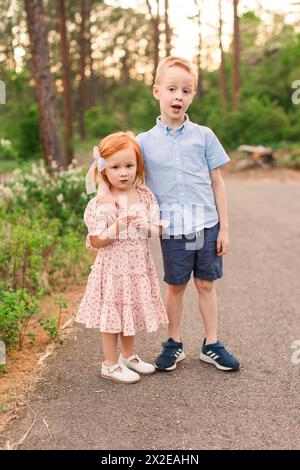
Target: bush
56, 195
41, 228
16, 309
41, 246
100, 122
25, 249
137, 106
256, 122
22, 129
7, 152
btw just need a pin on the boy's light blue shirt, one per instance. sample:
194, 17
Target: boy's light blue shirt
177, 164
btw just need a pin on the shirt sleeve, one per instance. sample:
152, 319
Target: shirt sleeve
214, 152
95, 220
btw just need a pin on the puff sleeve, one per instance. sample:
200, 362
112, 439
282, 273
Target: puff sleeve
95, 220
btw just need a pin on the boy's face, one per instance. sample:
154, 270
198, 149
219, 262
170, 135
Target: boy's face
175, 92
121, 170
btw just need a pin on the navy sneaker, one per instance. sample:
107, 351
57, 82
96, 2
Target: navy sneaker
171, 353
217, 355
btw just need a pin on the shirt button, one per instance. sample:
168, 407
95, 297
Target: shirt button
181, 194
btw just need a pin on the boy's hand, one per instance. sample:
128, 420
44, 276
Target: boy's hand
141, 224
222, 242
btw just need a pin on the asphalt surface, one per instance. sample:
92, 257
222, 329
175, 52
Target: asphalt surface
196, 406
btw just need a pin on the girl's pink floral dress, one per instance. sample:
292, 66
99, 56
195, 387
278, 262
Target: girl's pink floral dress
122, 293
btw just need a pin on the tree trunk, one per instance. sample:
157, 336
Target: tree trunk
155, 19
236, 57
44, 83
92, 80
222, 70
60, 8
82, 91
167, 30
199, 90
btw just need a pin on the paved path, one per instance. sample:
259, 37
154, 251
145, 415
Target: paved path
196, 406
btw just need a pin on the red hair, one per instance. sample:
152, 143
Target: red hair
115, 142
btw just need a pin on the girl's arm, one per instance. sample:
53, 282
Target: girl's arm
219, 190
111, 232
151, 230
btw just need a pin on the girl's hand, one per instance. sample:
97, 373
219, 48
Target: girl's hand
141, 223
222, 242
123, 222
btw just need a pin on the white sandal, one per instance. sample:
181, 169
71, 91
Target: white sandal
141, 367
125, 376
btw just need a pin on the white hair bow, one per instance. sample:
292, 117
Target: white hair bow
101, 164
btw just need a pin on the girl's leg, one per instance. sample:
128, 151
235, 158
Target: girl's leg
127, 345
110, 341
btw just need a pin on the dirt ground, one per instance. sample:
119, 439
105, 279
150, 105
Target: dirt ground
69, 406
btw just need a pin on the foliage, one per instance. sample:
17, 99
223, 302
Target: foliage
16, 309
41, 247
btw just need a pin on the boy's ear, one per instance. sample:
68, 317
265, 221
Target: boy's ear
155, 92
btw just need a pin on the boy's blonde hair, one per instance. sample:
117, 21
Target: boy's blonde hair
173, 61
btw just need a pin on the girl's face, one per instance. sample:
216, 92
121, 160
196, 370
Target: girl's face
121, 170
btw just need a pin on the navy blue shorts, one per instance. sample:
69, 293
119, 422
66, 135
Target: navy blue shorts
182, 256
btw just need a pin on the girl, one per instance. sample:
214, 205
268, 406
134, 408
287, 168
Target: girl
122, 294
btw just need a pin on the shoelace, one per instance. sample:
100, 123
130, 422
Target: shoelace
221, 351
167, 349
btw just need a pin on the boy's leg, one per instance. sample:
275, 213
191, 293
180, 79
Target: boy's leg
208, 268
174, 307
172, 351
178, 266
207, 300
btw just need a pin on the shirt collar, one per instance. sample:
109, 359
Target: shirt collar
168, 130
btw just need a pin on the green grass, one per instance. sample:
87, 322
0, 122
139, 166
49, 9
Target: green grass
8, 166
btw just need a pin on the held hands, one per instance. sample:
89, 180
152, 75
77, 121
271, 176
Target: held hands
111, 206
123, 222
141, 224
222, 242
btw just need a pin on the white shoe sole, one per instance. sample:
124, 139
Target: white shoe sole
180, 358
210, 360
108, 377
142, 373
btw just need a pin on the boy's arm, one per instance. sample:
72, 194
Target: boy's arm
219, 190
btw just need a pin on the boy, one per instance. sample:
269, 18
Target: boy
182, 162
